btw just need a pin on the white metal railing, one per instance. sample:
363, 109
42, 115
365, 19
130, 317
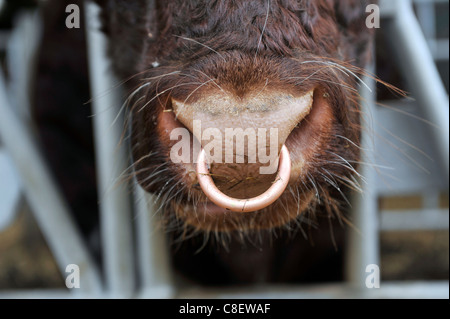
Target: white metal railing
48, 206
111, 161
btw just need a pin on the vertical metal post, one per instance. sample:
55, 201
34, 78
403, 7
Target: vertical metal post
416, 60
427, 18
154, 266
362, 249
111, 158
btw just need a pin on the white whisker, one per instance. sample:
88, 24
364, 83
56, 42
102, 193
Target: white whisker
204, 45
264, 28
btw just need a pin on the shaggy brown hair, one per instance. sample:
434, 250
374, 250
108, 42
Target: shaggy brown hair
172, 49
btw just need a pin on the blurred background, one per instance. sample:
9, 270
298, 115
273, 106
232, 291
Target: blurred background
45, 84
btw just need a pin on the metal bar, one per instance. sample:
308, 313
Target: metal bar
22, 52
427, 18
152, 247
50, 210
440, 49
417, 63
4, 37
154, 265
398, 290
428, 1
10, 190
362, 247
111, 160
430, 199
428, 219
38, 294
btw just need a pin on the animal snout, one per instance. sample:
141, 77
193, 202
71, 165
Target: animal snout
241, 137
247, 106
236, 135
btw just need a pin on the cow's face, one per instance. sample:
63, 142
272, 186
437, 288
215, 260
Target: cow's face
272, 74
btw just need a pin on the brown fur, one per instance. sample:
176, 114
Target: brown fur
243, 46
194, 41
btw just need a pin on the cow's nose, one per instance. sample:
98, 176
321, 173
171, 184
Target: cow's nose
242, 137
